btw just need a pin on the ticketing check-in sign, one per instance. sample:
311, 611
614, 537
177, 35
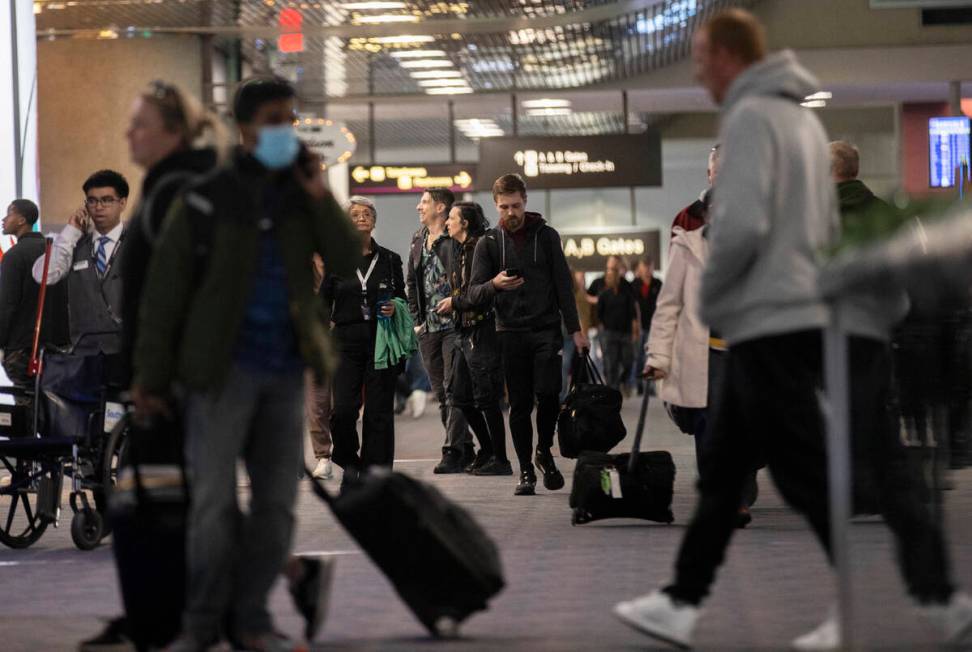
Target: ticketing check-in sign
392, 179
617, 160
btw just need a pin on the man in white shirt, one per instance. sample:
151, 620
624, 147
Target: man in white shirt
86, 253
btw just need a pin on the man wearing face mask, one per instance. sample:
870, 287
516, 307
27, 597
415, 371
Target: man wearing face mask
229, 315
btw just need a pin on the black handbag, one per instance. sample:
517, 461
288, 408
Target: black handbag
590, 418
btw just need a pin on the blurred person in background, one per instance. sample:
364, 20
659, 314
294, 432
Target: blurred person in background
318, 402
585, 310
620, 329
645, 288
695, 215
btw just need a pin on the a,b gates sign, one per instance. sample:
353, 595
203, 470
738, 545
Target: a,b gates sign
589, 251
573, 161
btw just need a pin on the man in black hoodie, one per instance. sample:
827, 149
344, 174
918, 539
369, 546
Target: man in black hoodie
19, 295
520, 265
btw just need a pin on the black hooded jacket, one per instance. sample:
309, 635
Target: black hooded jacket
547, 296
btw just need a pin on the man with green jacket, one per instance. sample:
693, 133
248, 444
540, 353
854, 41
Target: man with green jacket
230, 317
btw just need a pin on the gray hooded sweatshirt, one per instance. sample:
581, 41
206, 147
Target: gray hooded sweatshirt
775, 207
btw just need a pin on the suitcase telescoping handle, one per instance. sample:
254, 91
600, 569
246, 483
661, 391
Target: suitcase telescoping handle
33, 368
640, 431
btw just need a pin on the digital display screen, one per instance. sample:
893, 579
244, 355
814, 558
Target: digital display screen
948, 147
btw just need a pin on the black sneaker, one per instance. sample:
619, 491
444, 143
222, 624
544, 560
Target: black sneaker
468, 456
552, 478
312, 591
480, 459
451, 462
113, 637
495, 467
527, 485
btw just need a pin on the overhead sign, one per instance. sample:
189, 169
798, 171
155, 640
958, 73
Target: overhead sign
330, 140
588, 251
573, 161
387, 179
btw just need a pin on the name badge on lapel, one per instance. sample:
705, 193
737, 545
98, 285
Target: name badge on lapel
80, 265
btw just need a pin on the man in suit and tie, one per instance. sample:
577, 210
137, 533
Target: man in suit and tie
86, 253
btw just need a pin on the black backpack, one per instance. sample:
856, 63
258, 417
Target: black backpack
590, 418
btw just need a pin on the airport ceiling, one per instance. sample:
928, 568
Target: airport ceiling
374, 48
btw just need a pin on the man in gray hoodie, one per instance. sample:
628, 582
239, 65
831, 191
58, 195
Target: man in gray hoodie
775, 210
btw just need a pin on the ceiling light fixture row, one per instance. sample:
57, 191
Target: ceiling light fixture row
817, 100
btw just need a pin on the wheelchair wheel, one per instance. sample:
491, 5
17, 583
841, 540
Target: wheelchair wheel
86, 528
113, 452
29, 499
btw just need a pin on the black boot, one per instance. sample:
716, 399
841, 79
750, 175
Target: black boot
451, 462
479, 460
528, 483
468, 456
552, 478
495, 467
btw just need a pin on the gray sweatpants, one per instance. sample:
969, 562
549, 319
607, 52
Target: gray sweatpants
234, 558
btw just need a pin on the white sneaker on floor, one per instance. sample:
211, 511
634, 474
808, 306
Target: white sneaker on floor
323, 470
953, 619
419, 399
658, 616
825, 637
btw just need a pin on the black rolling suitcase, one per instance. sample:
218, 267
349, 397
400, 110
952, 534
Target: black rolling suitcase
148, 512
442, 563
630, 485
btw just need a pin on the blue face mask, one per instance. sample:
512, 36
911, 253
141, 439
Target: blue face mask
277, 147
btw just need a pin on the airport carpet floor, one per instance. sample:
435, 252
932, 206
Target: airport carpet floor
561, 580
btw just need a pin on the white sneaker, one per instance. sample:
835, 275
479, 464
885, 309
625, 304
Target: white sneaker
825, 637
323, 470
658, 616
419, 399
953, 619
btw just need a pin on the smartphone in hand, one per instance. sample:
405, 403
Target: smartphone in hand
513, 272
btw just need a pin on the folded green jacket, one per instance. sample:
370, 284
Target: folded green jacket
396, 339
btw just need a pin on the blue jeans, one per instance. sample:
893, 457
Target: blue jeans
233, 559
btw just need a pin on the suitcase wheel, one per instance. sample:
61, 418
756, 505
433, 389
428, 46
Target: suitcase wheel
446, 627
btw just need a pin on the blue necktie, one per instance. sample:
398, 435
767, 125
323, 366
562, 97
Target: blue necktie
101, 256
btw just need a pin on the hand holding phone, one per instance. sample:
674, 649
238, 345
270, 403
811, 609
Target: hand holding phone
80, 219
514, 272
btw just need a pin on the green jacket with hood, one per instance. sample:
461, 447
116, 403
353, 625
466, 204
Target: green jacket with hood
200, 275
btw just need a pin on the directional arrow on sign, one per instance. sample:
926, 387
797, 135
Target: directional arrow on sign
360, 174
463, 180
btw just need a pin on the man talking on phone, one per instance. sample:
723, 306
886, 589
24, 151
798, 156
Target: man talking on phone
86, 253
520, 266
230, 316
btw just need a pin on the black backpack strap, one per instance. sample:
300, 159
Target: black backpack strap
169, 183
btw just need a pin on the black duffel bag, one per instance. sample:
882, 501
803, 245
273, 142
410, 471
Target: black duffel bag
590, 418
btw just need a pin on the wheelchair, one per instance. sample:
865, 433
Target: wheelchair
72, 424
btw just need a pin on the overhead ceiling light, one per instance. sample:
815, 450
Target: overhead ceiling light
427, 63
549, 112
368, 6
546, 103
385, 18
431, 83
405, 39
418, 54
449, 91
822, 95
434, 74
814, 104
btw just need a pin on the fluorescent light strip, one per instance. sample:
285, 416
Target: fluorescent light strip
546, 103
376, 4
548, 112
814, 104
427, 63
418, 54
405, 39
448, 91
429, 83
822, 95
434, 74
385, 18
